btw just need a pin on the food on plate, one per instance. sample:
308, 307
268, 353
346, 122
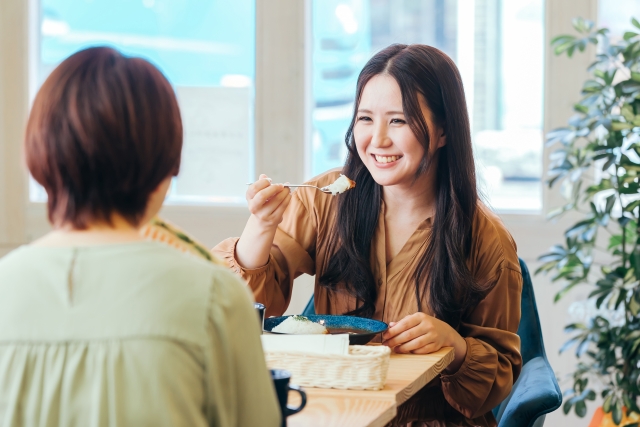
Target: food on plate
341, 185
299, 325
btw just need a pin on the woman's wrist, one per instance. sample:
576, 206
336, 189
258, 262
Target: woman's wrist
254, 245
459, 345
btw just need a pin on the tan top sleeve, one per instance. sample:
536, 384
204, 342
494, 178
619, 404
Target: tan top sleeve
493, 360
292, 254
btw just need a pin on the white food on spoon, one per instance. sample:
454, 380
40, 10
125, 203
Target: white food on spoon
341, 185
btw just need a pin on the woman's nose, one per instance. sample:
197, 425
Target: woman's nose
380, 138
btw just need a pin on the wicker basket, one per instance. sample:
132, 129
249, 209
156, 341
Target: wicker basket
365, 368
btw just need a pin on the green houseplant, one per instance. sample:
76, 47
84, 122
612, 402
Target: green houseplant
596, 164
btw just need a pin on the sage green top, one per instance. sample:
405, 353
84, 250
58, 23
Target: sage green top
132, 334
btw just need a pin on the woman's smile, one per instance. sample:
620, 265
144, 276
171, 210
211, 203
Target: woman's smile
385, 161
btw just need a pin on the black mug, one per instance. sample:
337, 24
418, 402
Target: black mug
281, 383
260, 310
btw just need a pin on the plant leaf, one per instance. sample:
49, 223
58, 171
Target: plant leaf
623, 221
634, 307
581, 408
631, 206
606, 405
568, 344
617, 413
562, 39
617, 126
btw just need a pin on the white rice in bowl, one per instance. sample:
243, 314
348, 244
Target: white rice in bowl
299, 325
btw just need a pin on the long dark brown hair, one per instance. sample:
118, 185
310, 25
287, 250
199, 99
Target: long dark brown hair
442, 273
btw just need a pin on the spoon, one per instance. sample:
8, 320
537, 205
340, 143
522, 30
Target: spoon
323, 189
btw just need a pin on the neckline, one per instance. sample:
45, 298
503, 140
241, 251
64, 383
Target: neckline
392, 267
96, 246
426, 224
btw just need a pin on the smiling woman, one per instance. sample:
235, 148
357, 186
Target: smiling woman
402, 115
410, 245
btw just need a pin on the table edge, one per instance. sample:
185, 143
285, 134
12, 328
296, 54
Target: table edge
426, 377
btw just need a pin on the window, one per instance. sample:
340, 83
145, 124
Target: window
205, 48
498, 47
618, 23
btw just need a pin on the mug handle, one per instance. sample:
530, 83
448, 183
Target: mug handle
303, 396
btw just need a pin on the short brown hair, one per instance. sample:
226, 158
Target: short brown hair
104, 132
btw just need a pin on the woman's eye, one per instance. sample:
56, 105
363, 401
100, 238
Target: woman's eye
364, 119
398, 121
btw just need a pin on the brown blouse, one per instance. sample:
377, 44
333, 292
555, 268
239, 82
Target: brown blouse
493, 360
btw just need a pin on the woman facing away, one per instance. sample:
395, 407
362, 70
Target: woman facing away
410, 245
101, 328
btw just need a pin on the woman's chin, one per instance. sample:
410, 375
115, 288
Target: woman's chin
384, 180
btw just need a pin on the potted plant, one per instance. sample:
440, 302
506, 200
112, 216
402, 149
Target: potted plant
596, 163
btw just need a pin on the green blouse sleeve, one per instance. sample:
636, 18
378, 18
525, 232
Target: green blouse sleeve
239, 387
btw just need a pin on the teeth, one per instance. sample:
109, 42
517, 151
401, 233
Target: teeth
386, 159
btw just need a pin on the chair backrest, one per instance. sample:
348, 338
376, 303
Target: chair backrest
310, 309
530, 332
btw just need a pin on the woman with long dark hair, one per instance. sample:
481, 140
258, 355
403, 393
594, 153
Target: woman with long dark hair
411, 244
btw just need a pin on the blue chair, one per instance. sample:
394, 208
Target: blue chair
536, 392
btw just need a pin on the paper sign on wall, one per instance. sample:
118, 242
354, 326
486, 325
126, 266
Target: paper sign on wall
216, 156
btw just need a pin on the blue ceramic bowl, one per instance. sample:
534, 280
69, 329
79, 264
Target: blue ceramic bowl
360, 330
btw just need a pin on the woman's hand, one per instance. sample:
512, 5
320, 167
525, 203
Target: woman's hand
267, 203
420, 333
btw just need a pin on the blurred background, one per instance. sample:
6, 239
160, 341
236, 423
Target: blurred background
267, 86
211, 45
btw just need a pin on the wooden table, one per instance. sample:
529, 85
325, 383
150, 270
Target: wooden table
407, 374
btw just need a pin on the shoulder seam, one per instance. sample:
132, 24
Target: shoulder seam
493, 226
509, 268
495, 230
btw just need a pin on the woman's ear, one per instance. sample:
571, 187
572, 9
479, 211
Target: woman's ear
442, 140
